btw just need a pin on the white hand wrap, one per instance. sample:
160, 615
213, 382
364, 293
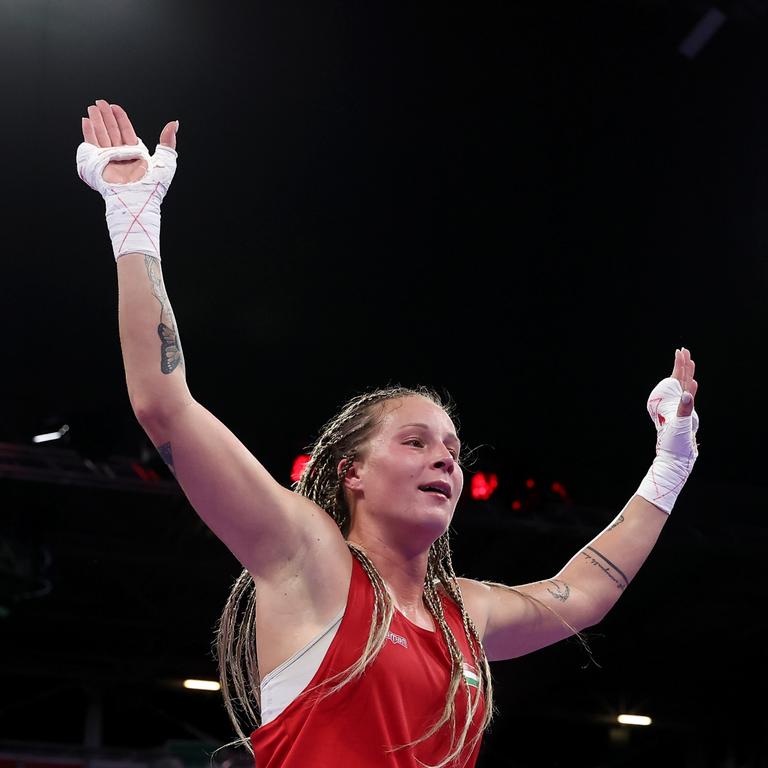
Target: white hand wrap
676, 448
133, 210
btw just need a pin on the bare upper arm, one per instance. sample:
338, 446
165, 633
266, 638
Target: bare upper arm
266, 526
511, 625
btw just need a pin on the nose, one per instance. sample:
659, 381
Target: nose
446, 462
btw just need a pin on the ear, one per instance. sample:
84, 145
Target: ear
348, 468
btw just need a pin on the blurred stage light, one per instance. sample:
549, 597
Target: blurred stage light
483, 486
634, 720
298, 467
147, 474
47, 436
202, 685
559, 489
702, 33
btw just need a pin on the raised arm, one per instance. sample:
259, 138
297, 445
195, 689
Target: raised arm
266, 526
592, 581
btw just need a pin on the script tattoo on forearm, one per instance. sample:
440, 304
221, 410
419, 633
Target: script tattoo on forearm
166, 454
562, 590
618, 521
613, 572
171, 355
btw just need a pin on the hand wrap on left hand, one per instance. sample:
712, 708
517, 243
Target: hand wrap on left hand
676, 448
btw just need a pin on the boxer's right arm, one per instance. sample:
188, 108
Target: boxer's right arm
265, 525
218, 475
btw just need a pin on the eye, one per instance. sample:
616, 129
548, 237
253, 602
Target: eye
454, 453
416, 440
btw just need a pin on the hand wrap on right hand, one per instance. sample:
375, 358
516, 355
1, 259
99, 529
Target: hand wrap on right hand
133, 210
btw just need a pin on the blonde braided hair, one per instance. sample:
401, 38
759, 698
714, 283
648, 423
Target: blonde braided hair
342, 439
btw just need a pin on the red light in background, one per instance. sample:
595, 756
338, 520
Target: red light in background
516, 504
147, 474
559, 489
530, 483
483, 485
298, 467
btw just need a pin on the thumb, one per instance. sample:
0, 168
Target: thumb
168, 134
686, 405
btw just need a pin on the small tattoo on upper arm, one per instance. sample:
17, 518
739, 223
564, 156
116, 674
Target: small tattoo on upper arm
167, 456
562, 592
612, 571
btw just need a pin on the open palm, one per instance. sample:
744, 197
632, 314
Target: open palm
107, 125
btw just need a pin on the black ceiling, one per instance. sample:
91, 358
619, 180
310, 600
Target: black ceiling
524, 205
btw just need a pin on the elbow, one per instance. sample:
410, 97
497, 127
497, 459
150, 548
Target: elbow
593, 621
156, 416
597, 614
594, 611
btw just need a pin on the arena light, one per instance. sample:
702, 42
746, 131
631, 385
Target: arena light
702, 32
483, 485
634, 720
530, 483
202, 685
298, 467
48, 436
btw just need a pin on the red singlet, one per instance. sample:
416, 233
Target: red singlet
398, 697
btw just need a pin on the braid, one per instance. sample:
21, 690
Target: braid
341, 441
440, 572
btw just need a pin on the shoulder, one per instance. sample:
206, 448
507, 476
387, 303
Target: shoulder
476, 598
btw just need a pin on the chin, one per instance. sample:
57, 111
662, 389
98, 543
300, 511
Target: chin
428, 525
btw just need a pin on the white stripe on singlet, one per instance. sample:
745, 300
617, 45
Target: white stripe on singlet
284, 683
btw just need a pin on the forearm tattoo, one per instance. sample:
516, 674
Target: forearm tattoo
171, 355
612, 571
167, 456
561, 592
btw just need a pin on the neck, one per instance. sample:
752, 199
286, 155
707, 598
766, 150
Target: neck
403, 571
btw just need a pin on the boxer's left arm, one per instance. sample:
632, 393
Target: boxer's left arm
580, 594
592, 581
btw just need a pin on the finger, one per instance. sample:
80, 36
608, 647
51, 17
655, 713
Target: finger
688, 368
127, 134
691, 388
109, 122
97, 121
89, 135
677, 370
168, 135
685, 409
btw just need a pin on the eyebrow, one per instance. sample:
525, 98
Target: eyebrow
426, 426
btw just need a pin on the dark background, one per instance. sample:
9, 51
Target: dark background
528, 206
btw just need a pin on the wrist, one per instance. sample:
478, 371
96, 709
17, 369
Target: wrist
133, 219
665, 479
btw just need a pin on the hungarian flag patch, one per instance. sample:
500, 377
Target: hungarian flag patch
470, 675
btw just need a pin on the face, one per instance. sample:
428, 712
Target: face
408, 480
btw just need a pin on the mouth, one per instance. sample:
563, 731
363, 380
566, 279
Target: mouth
437, 487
